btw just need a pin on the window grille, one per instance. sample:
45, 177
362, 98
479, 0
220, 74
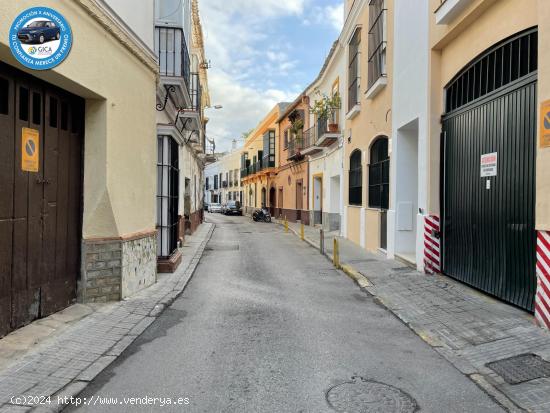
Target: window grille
167, 196
353, 70
377, 42
379, 174
507, 62
355, 178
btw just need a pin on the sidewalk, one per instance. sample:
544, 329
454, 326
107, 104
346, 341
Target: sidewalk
64, 364
465, 326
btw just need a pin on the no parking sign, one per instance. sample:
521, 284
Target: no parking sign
30, 140
545, 124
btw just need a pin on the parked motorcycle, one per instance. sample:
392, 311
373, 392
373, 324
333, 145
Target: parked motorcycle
261, 215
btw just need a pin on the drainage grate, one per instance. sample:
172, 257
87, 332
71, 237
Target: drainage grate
361, 395
522, 368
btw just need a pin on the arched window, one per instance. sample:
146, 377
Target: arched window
379, 174
355, 178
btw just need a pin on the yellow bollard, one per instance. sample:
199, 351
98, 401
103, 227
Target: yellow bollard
286, 225
302, 236
336, 254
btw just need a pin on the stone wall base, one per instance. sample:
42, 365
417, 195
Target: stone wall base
114, 269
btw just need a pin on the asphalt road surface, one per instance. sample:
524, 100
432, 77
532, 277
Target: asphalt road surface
268, 325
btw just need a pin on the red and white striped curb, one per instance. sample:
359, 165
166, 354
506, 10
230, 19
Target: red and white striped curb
542, 299
432, 245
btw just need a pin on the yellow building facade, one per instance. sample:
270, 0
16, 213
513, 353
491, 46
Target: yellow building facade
368, 36
98, 127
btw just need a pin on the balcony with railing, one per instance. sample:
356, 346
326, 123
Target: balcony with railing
295, 146
309, 143
328, 130
174, 62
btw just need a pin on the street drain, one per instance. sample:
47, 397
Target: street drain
522, 368
361, 395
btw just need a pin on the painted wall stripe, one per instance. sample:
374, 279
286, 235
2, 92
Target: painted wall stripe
432, 245
542, 297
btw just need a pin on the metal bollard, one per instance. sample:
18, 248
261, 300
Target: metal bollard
286, 225
322, 241
302, 236
336, 254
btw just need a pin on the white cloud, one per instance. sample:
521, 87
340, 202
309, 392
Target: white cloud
243, 107
241, 78
248, 57
333, 15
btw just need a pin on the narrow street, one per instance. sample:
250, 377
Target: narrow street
267, 325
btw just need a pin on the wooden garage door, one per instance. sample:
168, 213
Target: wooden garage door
40, 212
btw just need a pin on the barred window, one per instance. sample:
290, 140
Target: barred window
377, 41
355, 178
379, 174
353, 70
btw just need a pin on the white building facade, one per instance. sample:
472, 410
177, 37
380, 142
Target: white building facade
222, 179
182, 95
409, 148
326, 196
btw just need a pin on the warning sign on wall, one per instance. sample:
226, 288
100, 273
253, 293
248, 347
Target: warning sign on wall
489, 164
30, 139
545, 124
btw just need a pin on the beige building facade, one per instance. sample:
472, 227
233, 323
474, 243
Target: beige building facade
488, 86
368, 36
96, 126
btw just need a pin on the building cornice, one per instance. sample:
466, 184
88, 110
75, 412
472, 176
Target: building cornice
351, 21
110, 21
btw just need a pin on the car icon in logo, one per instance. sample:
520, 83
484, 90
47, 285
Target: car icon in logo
39, 31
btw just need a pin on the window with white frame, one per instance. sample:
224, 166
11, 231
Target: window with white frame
354, 69
377, 41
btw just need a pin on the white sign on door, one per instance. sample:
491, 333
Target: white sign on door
489, 164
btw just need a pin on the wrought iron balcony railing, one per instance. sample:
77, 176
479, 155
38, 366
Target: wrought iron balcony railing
295, 145
172, 52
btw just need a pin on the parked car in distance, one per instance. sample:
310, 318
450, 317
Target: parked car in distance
233, 208
39, 31
215, 208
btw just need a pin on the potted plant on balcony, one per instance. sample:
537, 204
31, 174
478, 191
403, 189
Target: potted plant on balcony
324, 109
297, 128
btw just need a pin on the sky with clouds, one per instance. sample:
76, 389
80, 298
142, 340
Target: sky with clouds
262, 52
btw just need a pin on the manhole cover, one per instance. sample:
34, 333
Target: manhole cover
365, 396
521, 368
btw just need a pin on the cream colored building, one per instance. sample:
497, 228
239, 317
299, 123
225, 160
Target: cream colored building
96, 124
488, 159
260, 161
368, 38
182, 96
223, 180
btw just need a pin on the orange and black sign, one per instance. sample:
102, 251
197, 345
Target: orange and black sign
30, 141
545, 124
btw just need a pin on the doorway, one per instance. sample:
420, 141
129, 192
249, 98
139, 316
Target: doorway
406, 202
41, 204
318, 199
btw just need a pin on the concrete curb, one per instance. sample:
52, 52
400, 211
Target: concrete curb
355, 275
79, 383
